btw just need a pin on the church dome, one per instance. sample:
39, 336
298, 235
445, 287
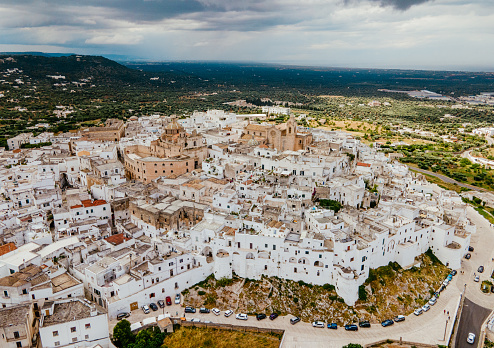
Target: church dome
253, 142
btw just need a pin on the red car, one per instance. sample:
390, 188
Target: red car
168, 301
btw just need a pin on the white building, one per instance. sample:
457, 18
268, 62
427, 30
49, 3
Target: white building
73, 323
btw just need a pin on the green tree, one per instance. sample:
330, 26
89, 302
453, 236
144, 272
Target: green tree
352, 345
122, 336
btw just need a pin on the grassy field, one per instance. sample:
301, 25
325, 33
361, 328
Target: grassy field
190, 337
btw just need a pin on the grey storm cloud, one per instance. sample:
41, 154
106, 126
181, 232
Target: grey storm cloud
400, 4
358, 32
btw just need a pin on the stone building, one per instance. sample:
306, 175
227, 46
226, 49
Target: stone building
113, 130
168, 214
282, 137
175, 152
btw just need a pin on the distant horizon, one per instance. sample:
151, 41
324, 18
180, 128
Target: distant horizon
121, 58
445, 35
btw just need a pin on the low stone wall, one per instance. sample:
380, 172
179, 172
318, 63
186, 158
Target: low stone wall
418, 345
229, 327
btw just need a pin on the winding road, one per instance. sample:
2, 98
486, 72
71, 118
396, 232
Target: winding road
447, 179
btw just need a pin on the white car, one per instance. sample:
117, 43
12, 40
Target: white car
418, 311
476, 279
177, 299
216, 311
318, 324
145, 309
471, 338
228, 313
446, 282
195, 320
432, 301
241, 316
426, 307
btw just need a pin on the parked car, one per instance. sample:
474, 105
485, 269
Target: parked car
241, 316
332, 326
432, 301
453, 273
145, 309
387, 322
446, 282
273, 316
168, 301
471, 338
481, 269
476, 279
228, 313
470, 248
399, 318
190, 310
468, 256
492, 289
153, 306
216, 311
294, 320
177, 299
260, 316
426, 307
161, 303
364, 323
318, 323
123, 315
204, 310
449, 277
418, 311
351, 327
195, 320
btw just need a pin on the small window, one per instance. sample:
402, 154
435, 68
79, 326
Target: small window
86, 337
74, 339
16, 334
55, 333
88, 326
57, 343
73, 329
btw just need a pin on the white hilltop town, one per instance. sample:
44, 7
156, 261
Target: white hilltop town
113, 218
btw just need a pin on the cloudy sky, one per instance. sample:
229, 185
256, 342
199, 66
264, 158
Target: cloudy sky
430, 34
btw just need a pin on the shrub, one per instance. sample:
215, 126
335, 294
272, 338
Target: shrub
362, 293
201, 292
224, 282
328, 287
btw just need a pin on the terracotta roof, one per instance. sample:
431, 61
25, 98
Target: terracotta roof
16, 151
89, 203
7, 248
117, 239
363, 164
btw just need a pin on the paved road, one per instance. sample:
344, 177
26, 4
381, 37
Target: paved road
448, 179
471, 320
